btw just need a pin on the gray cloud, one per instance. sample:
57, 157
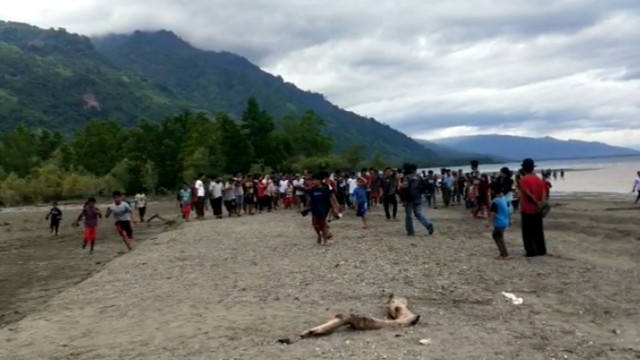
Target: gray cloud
568, 68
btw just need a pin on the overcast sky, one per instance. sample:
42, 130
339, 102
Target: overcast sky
430, 68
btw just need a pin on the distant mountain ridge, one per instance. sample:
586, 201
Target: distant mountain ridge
545, 148
459, 154
55, 80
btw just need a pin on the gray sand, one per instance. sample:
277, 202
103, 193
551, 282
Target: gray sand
229, 289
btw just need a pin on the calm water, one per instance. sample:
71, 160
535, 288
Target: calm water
608, 175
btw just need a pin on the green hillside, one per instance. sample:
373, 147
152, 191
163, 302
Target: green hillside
55, 80
223, 81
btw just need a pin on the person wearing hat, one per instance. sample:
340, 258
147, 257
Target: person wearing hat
533, 192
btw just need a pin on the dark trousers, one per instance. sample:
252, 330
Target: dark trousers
432, 201
533, 235
446, 196
265, 203
387, 201
459, 195
216, 206
498, 237
638, 198
142, 212
200, 206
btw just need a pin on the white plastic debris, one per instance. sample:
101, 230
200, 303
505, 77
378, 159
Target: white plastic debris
425, 341
513, 298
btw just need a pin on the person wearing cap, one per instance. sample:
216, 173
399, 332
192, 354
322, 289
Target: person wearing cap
533, 191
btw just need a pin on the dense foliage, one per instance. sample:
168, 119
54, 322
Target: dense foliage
59, 81
41, 166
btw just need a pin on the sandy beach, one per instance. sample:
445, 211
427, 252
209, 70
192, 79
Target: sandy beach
229, 289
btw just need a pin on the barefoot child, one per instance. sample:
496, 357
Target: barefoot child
55, 215
186, 198
90, 213
360, 200
319, 204
123, 213
499, 219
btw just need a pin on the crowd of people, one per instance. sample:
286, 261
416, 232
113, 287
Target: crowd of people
325, 196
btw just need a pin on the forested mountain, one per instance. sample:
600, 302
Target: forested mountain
55, 80
59, 81
519, 147
218, 81
459, 154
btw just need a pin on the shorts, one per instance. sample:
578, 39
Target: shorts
319, 222
91, 234
248, 200
124, 227
362, 210
240, 200
302, 199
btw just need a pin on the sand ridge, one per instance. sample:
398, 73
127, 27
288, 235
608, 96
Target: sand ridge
229, 289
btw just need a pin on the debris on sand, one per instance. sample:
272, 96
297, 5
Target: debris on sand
513, 298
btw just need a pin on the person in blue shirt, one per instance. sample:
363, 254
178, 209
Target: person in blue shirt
321, 202
360, 199
499, 219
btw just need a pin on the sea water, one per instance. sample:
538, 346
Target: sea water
597, 175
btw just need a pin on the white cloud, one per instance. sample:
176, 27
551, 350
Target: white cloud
565, 68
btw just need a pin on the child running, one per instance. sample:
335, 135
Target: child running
319, 204
360, 199
499, 219
123, 213
90, 213
55, 215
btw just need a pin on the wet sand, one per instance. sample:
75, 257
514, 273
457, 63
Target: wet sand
229, 289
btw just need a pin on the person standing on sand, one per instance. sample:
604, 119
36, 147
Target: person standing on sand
185, 197
55, 217
636, 187
412, 190
215, 193
229, 196
140, 201
499, 219
200, 193
123, 214
389, 187
91, 214
360, 199
533, 191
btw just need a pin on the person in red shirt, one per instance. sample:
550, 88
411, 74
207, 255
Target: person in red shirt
532, 190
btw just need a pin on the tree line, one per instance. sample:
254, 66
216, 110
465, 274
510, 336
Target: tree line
39, 165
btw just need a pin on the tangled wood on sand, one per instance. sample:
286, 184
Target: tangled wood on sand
398, 316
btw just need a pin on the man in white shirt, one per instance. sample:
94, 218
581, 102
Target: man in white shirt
200, 193
299, 185
215, 193
352, 184
141, 204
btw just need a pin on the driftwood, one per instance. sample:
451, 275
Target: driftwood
398, 316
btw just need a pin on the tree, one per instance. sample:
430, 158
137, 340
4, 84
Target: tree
233, 145
19, 151
258, 126
99, 146
354, 156
149, 177
305, 135
198, 162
